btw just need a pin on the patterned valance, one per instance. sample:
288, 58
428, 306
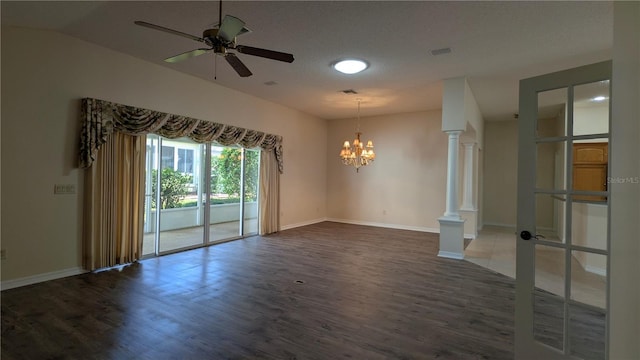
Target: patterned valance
101, 118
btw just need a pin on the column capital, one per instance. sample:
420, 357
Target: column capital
455, 133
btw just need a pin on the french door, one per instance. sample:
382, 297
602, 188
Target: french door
562, 276
197, 194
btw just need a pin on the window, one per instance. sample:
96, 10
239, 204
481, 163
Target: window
185, 161
168, 157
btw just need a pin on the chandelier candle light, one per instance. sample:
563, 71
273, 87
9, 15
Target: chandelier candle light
358, 154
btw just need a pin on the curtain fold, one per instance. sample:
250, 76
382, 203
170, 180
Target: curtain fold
114, 199
102, 118
269, 221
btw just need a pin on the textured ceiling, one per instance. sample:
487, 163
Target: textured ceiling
494, 44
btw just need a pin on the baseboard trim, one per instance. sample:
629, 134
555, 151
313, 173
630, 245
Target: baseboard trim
470, 236
596, 270
499, 224
304, 223
385, 225
34, 279
451, 255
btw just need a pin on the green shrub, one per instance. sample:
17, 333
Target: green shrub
173, 187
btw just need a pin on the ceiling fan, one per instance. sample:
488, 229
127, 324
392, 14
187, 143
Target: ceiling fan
220, 40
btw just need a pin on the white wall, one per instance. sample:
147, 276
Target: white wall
405, 186
500, 173
625, 197
44, 76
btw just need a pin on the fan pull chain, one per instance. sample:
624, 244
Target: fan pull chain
215, 67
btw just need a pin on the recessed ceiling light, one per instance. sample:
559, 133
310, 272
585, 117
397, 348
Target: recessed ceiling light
599, 98
350, 66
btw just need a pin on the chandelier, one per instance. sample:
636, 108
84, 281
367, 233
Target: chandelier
357, 155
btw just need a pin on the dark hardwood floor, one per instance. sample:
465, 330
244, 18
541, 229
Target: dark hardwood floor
324, 291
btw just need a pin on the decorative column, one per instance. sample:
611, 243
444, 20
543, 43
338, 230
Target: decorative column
468, 195
468, 210
452, 176
451, 224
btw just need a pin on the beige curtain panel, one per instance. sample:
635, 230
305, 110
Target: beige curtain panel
114, 197
269, 194
112, 149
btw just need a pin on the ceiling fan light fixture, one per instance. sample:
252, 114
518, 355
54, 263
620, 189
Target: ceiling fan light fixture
350, 66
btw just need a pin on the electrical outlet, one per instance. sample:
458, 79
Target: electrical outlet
64, 189
3, 254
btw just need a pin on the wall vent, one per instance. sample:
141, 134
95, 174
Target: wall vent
442, 51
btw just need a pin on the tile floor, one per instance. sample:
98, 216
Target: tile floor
495, 249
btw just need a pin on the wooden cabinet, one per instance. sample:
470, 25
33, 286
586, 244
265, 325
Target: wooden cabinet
590, 166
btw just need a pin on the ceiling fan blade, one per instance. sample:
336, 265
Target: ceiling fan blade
167, 30
187, 55
230, 27
269, 54
237, 65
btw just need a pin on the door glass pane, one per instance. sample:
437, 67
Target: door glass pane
180, 214
590, 168
251, 180
552, 112
587, 332
550, 217
550, 269
225, 175
551, 165
589, 278
589, 225
548, 319
591, 108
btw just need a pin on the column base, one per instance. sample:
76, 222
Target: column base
451, 238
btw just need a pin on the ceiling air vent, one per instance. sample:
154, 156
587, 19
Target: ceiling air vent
442, 51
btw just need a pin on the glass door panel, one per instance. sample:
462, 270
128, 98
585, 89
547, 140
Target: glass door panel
548, 319
591, 108
561, 278
180, 187
551, 120
550, 216
250, 188
587, 332
226, 170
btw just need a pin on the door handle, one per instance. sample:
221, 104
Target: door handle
525, 235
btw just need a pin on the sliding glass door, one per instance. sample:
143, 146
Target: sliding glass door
197, 194
233, 193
